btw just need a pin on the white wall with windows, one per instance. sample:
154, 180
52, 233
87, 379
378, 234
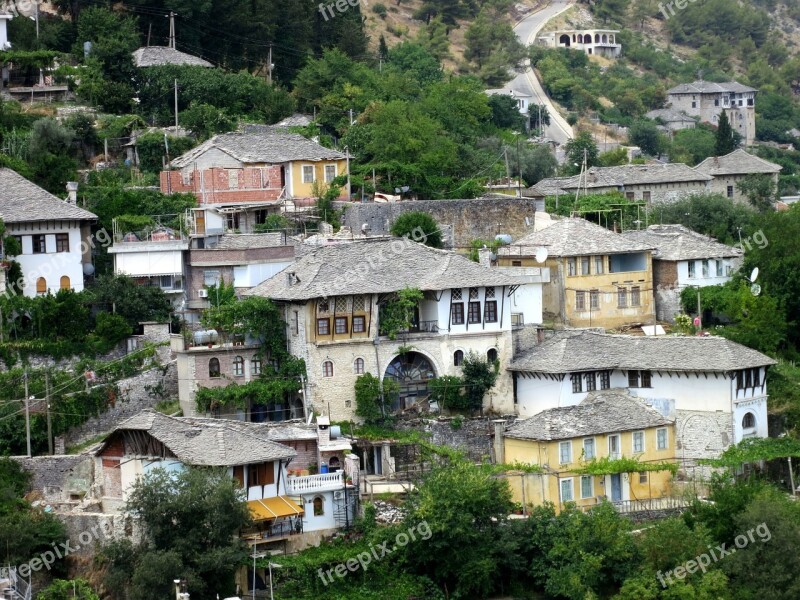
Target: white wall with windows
711, 271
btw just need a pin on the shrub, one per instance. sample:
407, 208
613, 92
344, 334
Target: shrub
380, 10
112, 328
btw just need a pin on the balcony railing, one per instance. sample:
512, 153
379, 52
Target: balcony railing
425, 327
315, 483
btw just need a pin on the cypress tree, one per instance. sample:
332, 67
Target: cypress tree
725, 142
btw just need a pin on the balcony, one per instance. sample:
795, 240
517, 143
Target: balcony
306, 484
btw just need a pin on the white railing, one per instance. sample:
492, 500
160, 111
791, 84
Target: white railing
318, 483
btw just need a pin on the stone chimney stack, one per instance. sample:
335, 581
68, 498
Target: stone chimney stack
485, 257
72, 192
499, 444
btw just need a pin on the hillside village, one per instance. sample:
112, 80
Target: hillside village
423, 300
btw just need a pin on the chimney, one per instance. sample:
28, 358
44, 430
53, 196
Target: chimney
499, 445
72, 192
485, 257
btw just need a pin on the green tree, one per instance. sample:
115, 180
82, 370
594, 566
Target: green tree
448, 392
373, 397
645, 134
112, 328
613, 158
479, 377
397, 313
759, 189
724, 142
205, 120
64, 589
505, 113
135, 303
692, 146
581, 145
418, 226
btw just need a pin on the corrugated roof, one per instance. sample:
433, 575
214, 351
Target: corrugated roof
709, 87
378, 267
582, 350
676, 242
23, 201
606, 411
158, 56
737, 162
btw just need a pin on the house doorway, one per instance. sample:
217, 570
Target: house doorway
616, 488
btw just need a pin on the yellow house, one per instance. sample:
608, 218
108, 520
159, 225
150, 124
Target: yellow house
598, 278
610, 424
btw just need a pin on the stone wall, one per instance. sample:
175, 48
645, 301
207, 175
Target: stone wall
60, 478
474, 436
701, 434
480, 218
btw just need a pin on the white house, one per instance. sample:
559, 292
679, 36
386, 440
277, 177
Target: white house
684, 258
333, 299
54, 234
714, 388
600, 42
4, 19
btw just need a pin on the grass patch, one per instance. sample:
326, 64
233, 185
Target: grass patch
77, 449
169, 407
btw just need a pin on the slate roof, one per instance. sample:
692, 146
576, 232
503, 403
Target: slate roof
205, 442
378, 267
268, 146
737, 162
574, 237
606, 411
546, 187
245, 241
709, 87
157, 56
676, 242
669, 115
284, 431
23, 201
582, 350
295, 120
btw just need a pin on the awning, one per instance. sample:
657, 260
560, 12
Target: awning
273, 508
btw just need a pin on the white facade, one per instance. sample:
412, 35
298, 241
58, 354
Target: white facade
4, 43
160, 261
601, 42
711, 271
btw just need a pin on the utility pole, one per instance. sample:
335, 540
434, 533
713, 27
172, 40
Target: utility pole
27, 414
347, 157
519, 172
270, 66
508, 171
47, 405
172, 29
176, 107
699, 313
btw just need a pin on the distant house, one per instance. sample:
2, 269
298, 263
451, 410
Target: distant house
522, 99
673, 120
714, 388
261, 168
600, 42
598, 278
732, 168
4, 45
707, 100
54, 234
684, 258
608, 424
659, 182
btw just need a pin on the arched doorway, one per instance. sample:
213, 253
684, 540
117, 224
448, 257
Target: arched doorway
412, 371
564, 40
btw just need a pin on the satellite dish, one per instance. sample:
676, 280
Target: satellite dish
541, 255
755, 289
754, 275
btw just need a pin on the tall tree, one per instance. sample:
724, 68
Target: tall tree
725, 142
581, 145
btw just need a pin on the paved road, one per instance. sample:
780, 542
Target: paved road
527, 82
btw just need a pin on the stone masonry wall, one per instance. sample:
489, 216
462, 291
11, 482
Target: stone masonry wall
474, 436
480, 218
59, 478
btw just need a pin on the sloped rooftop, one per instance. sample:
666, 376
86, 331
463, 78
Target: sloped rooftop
600, 412
676, 242
709, 87
583, 350
158, 56
23, 201
737, 162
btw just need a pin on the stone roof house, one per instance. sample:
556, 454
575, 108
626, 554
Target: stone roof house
729, 170
707, 100
159, 56
673, 120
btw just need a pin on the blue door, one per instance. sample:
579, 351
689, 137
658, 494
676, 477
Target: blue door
616, 488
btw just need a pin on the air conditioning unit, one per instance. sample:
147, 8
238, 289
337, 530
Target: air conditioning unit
202, 293
338, 495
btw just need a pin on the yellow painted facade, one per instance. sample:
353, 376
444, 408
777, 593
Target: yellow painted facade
301, 170
586, 491
583, 292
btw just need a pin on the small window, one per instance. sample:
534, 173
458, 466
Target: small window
613, 446
359, 304
330, 173
211, 278
62, 242
308, 174
566, 490
255, 366
516, 263
594, 299
358, 366
341, 325
473, 293
319, 507
238, 366
456, 295
661, 439
636, 296
599, 265
323, 326
41, 286
720, 268
489, 293
458, 358
630, 195
588, 449
323, 307
577, 385
691, 269
643, 477
296, 322
704, 267
586, 486
340, 304
749, 421
490, 311
605, 380
571, 267
39, 244
633, 379
580, 300
638, 441
565, 453
457, 313
585, 265
646, 196
622, 297
591, 382
359, 324
213, 368
491, 355
64, 283
729, 191
474, 312
645, 378
327, 369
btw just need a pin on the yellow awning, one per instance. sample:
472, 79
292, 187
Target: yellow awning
273, 508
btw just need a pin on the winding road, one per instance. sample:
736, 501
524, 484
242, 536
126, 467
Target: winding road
527, 82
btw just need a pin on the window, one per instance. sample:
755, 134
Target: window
729, 191
613, 446
586, 486
605, 380
630, 195
474, 315
489, 293
238, 366
255, 366
633, 378
584, 265
323, 307
213, 368
599, 265
41, 286
516, 263
704, 267
577, 383
358, 366
565, 453
327, 369
456, 295
491, 355
566, 490
661, 439
646, 196
39, 244
643, 477
571, 267
359, 324
64, 283
636, 296
691, 269
319, 506
594, 299
296, 322
340, 325
591, 382
580, 300
330, 173
749, 421
457, 313
359, 304
308, 174
62, 242
645, 376
323, 326
588, 449
473, 293
490, 311
458, 358
262, 474
720, 271
622, 297
716, 101
340, 304
638, 441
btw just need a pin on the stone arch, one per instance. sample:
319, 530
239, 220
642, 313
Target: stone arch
596, 38
564, 40
605, 38
412, 371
